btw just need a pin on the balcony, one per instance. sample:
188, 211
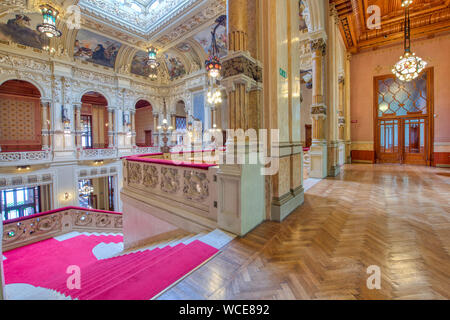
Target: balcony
95, 154
25, 158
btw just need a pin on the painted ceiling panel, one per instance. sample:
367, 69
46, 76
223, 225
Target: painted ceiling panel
95, 48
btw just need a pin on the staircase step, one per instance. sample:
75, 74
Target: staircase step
125, 272
148, 282
92, 270
104, 272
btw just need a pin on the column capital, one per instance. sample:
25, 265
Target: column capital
46, 101
341, 80
319, 45
319, 110
77, 105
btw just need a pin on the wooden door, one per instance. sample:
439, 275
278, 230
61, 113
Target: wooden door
403, 115
308, 135
148, 138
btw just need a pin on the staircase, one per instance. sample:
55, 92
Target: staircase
137, 274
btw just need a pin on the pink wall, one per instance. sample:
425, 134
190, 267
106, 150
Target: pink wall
365, 66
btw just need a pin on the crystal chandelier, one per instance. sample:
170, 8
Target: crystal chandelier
410, 66
48, 27
152, 52
86, 190
214, 96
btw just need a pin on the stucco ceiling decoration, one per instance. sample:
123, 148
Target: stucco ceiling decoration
428, 17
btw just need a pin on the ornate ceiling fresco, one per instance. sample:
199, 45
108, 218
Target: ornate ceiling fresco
116, 33
428, 17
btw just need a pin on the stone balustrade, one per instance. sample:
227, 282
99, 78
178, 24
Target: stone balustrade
92, 154
24, 231
25, 158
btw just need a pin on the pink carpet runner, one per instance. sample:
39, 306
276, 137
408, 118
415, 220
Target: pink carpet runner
136, 276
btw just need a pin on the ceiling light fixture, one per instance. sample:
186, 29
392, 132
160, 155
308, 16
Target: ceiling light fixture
49, 15
152, 52
410, 66
213, 65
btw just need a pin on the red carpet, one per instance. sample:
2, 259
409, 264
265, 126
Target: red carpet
136, 276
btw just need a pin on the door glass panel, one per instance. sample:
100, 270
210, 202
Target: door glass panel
414, 135
400, 98
389, 136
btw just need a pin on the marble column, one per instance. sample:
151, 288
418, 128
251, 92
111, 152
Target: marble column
45, 125
133, 127
78, 125
237, 25
155, 129
341, 102
110, 128
238, 91
318, 151
348, 137
2, 278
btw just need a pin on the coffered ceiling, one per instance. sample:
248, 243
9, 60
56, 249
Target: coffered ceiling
428, 17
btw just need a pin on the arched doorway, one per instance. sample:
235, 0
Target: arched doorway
21, 117
144, 124
94, 121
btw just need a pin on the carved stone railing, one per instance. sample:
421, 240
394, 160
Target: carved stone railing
24, 231
92, 154
146, 150
187, 190
26, 157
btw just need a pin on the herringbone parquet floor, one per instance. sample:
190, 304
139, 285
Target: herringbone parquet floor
395, 217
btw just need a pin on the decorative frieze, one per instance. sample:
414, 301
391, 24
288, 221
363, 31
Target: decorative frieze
242, 65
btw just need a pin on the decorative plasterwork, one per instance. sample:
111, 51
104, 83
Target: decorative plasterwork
148, 20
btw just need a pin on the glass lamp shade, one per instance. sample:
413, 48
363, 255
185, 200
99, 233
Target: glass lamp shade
152, 52
406, 3
409, 67
213, 66
48, 27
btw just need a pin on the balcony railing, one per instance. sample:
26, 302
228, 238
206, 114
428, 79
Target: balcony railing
24, 231
25, 157
146, 150
90, 154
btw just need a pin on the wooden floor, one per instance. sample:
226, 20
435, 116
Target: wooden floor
396, 217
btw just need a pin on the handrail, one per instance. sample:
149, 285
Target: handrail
46, 213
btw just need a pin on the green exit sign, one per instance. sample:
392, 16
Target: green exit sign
283, 73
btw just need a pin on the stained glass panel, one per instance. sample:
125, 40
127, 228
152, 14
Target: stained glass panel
400, 98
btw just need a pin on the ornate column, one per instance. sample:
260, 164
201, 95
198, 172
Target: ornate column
173, 119
133, 127
45, 131
319, 112
348, 137
155, 130
341, 102
237, 25
237, 83
78, 126
2, 281
110, 127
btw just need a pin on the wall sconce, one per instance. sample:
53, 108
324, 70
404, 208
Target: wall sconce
66, 196
23, 168
98, 162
